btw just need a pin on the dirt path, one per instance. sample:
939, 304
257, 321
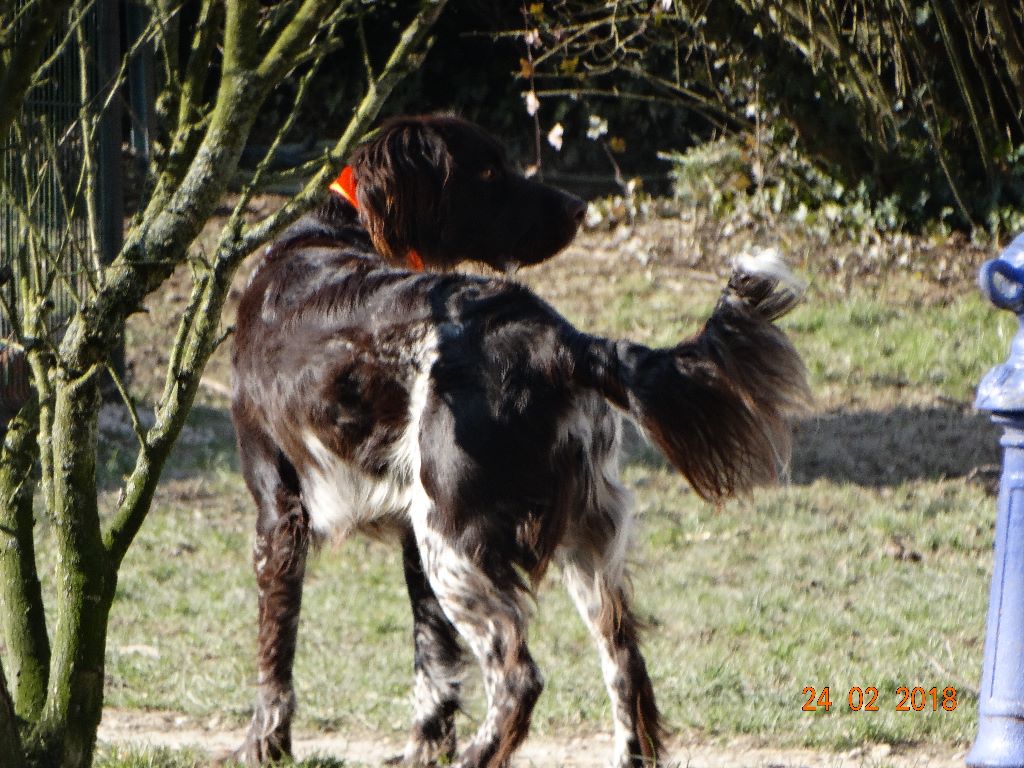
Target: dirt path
171, 730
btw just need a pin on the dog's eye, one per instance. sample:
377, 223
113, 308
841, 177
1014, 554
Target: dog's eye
490, 173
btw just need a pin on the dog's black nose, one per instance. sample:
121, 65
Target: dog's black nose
577, 209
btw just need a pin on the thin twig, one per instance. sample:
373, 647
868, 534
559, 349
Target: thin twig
133, 414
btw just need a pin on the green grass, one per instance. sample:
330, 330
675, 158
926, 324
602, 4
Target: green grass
747, 605
867, 343
124, 757
108, 756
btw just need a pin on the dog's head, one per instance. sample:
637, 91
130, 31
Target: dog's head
442, 188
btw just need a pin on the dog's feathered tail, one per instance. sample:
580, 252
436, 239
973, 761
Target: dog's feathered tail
720, 404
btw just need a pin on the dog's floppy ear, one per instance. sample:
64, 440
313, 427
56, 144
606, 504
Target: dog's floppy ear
400, 185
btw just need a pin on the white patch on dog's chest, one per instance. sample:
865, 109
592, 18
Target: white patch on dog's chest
340, 497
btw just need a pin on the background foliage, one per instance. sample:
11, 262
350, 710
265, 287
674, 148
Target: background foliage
908, 111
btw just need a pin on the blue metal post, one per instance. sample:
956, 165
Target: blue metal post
1000, 741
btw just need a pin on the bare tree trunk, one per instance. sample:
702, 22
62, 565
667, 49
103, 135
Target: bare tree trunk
85, 582
24, 624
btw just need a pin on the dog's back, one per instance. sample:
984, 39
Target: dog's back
373, 376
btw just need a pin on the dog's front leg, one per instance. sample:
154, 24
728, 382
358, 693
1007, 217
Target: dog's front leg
279, 557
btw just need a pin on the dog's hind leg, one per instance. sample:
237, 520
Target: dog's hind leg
487, 611
598, 589
279, 558
438, 668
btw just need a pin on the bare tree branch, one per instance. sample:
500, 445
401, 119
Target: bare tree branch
59, 677
296, 37
1010, 45
405, 57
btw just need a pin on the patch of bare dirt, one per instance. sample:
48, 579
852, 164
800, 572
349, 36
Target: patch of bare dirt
176, 731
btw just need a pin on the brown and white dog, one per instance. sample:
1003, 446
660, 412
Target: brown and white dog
467, 419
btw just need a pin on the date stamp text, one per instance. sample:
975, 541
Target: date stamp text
906, 699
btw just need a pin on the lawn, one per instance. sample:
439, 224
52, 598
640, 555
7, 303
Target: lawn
870, 568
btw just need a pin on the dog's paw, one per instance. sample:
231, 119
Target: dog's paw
265, 744
421, 751
224, 759
256, 752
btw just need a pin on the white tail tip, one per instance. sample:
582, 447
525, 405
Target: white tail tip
768, 262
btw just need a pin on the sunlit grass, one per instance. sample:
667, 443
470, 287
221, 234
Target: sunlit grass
747, 605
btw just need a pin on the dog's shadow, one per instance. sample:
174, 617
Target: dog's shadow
882, 448
885, 448
868, 448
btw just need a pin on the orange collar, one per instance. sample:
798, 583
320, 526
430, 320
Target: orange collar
414, 260
345, 187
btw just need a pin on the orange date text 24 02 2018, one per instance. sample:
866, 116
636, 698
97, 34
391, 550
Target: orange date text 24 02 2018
907, 699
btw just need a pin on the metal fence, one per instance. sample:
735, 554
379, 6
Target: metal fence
51, 234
